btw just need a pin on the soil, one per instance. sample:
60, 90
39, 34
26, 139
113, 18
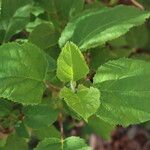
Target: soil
133, 138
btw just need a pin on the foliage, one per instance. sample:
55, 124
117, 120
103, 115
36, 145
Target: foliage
63, 59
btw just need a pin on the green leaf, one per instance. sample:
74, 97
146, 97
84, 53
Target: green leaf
14, 17
100, 127
2, 33
71, 143
37, 10
15, 143
23, 71
94, 5
9, 7
33, 24
100, 56
62, 9
48, 132
44, 36
84, 102
135, 35
5, 107
143, 56
71, 112
3, 142
95, 27
71, 65
125, 91
21, 130
145, 3
119, 42
67, 8
52, 66
39, 116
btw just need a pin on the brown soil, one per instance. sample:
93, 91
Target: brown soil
134, 138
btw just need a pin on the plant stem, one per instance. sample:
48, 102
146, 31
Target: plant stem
73, 86
137, 4
52, 87
60, 121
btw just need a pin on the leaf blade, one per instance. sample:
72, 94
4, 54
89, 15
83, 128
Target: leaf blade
88, 31
125, 88
22, 76
84, 102
71, 143
44, 36
71, 65
39, 116
14, 17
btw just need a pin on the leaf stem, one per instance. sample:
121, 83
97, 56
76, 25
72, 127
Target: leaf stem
73, 86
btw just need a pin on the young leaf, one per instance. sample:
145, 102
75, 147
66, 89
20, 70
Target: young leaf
71, 143
39, 116
96, 27
84, 102
23, 71
125, 91
44, 36
71, 65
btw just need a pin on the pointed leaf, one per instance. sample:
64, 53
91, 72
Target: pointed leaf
71, 65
